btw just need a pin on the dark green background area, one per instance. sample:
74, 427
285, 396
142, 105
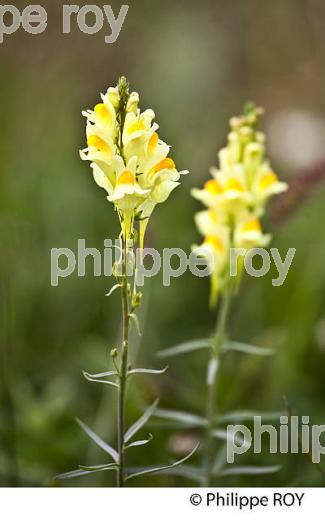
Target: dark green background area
195, 63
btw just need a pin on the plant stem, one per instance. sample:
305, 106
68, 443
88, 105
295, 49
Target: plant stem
211, 385
123, 371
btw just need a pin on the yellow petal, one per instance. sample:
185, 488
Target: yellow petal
213, 215
136, 127
268, 180
97, 142
126, 177
102, 111
213, 187
251, 225
153, 141
215, 242
166, 164
234, 185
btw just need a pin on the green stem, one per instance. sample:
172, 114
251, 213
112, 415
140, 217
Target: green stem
123, 372
211, 386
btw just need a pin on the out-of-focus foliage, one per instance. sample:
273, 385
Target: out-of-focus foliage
195, 64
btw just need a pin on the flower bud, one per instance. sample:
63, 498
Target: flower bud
234, 147
136, 300
253, 156
114, 96
133, 102
113, 353
246, 134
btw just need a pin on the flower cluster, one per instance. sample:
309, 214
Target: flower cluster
128, 158
236, 197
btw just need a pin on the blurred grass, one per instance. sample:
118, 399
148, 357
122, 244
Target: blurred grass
195, 66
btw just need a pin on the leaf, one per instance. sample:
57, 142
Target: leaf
135, 319
140, 422
146, 371
182, 417
220, 434
103, 374
102, 444
190, 472
249, 470
182, 348
113, 289
85, 471
213, 367
247, 349
220, 459
89, 377
96, 468
139, 443
248, 415
225, 435
162, 468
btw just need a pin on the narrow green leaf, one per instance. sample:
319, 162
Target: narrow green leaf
135, 319
113, 289
220, 459
225, 435
99, 441
182, 348
147, 371
191, 472
139, 443
182, 417
162, 468
247, 349
220, 434
89, 377
103, 374
248, 415
96, 468
213, 367
87, 471
249, 470
140, 422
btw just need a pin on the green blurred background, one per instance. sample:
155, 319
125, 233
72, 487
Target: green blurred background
195, 63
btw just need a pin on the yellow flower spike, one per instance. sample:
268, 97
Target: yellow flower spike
237, 194
123, 147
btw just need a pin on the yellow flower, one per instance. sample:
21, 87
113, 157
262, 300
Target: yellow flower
237, 194
127, 157
127, 193
248, 233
